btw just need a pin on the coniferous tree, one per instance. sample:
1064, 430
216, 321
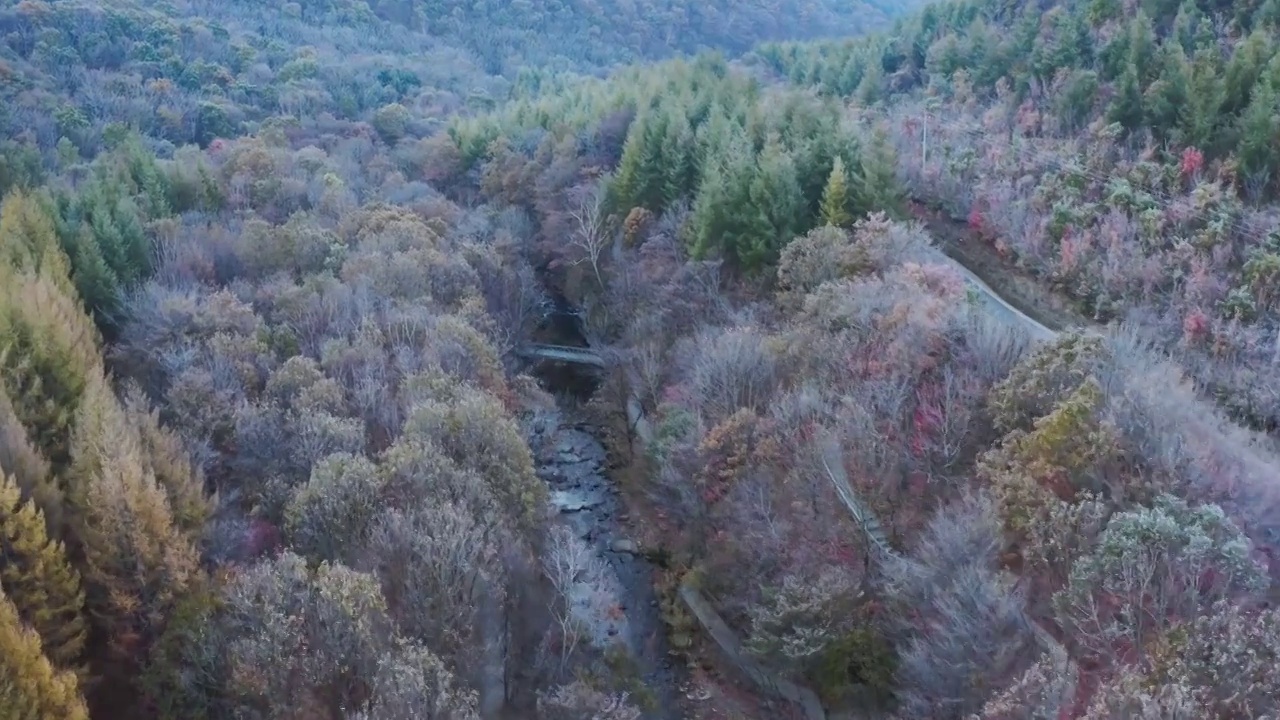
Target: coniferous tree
1142, 49
28, 468
1076, 101
680, 172
871, 88
166, 457
97, 283
625, 188
1100, 11
30, 687
29, 242
1267, 15
1113, 56
1186, 25
1166, 101
724, 222
1243, 71
710, 222
47, 349
1126, 107
1067, 46
654, 168
1203, 114
137, 563
641, 175
1259, 130
835, 197
878, 186
776, 202
39, 579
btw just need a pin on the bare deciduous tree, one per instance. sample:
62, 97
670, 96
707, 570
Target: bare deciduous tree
969, 631
579, 701
593, 230
568, 562
733, 369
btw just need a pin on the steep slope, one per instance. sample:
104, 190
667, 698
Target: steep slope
1125, 153
1018, 484
297, 462
315, 236
192, 71
574, 33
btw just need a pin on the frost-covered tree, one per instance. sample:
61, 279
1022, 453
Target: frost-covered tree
1152, 567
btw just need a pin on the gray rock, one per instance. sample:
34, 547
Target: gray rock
571, 502
622, 545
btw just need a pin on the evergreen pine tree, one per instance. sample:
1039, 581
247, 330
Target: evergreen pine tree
835, 197
778, 201
29, 469
710, 220
30, 687
39, 579
878, 186
1100, 11
871, 87
652, 169
1186, 24
1243, 71
1259, 130
1205, 96
1126, 108
181, 479
1165, 103
1113, 57
1142, 49
137, 563
47, 349
135, 244
1267, 15
29, 241
96, 283
724, 220
628, 185
679, 176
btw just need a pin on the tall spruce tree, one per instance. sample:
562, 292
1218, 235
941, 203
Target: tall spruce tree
47, 349
776, 203
28, 468
1167, 101
29, 241
137, 563
878, 185
1258, 131
1126, 108
31, 688
835, 197
39, 579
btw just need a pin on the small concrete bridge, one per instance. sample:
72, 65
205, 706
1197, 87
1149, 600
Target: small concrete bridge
561, 353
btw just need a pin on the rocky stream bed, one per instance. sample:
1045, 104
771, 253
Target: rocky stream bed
613, 598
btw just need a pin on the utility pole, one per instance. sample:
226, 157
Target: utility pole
924, 142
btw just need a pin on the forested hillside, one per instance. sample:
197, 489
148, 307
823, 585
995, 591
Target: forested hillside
273, 445
190, 72
1124, 152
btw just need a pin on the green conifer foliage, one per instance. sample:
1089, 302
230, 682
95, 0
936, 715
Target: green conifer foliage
835, 197
39, 579
30, 687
